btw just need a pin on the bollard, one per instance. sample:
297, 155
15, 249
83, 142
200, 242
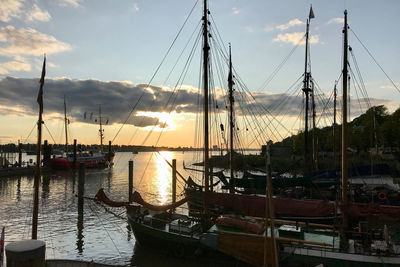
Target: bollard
130, 180
26, 253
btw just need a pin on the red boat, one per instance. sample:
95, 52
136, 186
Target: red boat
90, 159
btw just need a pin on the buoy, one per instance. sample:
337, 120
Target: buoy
382, 196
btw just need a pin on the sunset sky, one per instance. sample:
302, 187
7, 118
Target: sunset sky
106, 52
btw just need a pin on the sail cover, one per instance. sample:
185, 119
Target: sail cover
255, 205
136, 197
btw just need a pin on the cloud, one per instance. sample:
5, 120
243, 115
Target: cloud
336, 21
73, 3
10, 9
28, 41
292, 23
294, 38
14, 66
118, 98
37, 14
235, 11
268, 28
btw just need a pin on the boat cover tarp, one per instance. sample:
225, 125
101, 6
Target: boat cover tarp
249, 205
372, 210
101, 196
136, 197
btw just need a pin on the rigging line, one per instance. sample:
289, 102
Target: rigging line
176, 62
325, 107
286, 92
261, 105
156, 71
363, 89
34, 126
177, 87
102, 224
218, 34
355, 87
49, 132
376, 62
278, 68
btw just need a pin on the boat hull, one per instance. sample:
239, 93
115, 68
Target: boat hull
89, 162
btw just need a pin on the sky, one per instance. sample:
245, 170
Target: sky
104, 52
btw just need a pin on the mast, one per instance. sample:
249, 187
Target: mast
66, 126
334, 125
101, 130
314, 145
306, 89
231, 122
206, 49
344, 121
38, 152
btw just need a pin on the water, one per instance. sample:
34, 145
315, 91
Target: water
94, 234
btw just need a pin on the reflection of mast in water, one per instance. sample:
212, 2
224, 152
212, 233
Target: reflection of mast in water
19, 189
81, 190
45, 186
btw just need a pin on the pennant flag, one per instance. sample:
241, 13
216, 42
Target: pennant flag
84, 115
2, 247
311, 15
40, 94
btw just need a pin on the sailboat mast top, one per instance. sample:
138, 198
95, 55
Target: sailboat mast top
306, 89
231, 122
344, 118
66, 126
206, 49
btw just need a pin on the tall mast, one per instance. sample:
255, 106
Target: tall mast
206, 49
66, 126
344, 120
231, 122
306, 89
334, 125
314, 145
38, 152
101, 130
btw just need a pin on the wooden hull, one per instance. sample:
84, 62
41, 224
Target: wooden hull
180, 245
250, 248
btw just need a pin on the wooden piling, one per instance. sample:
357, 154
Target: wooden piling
173, 181
19, 154
130, 181
74, 151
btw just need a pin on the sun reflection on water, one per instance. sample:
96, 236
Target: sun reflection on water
163, 177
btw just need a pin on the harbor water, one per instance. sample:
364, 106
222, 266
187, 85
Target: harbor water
97, 233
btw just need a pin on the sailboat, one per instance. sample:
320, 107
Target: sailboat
341, 247
91, 159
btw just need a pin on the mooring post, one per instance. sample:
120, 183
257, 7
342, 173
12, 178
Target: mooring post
74, 155
109, 151
27, 253
46, 153
173, 181
81, 182
130, 180
19, 154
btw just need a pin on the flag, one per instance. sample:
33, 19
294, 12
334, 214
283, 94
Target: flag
2, 247
84, 115
311, 15
40, 94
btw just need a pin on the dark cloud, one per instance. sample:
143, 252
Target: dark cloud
118, 98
